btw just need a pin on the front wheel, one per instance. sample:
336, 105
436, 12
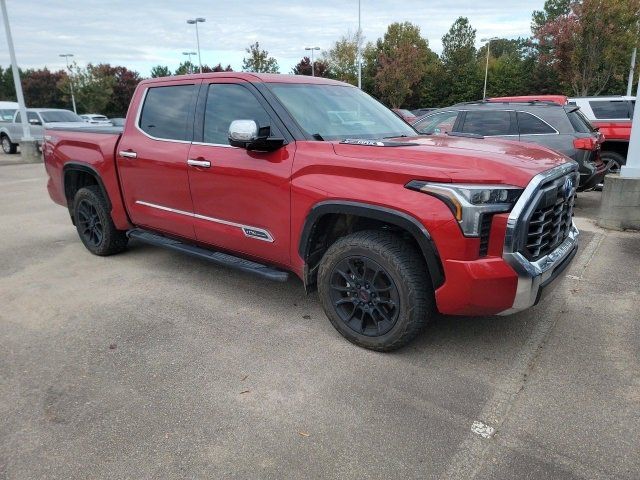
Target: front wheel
94, 224
375, 289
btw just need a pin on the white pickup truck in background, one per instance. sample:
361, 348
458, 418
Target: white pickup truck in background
39, 119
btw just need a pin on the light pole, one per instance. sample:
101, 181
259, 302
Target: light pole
195, 21
313, 72
633, 66
190, 64
73, 98
359, 53
26, 131
486, 68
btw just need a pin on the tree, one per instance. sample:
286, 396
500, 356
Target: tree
303, 67
160, 71
123, 85
461, 69
342, 59
259, 60
92, 87
40, 88
185, 68
589, 43
217, 68
402, 58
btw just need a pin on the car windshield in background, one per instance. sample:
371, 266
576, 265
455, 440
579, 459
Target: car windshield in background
57, 116
6, 115
335, 112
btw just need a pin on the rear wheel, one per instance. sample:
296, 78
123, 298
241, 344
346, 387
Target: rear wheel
7, 146
94, 224
614, 160
375, 289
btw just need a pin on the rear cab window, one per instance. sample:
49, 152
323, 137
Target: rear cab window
167, 112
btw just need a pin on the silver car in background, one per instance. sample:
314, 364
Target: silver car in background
96, 119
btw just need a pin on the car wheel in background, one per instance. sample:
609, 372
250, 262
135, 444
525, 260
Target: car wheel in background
7, 146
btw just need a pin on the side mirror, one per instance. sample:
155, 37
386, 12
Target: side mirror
35, 121
247, 134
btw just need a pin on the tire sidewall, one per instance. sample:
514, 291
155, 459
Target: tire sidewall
88, 195
6, 144
615, 157
395, 273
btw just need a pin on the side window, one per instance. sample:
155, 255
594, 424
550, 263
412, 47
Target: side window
437, 124
227, 102
487, 123
607, 109
531, 125
18, 118
166, 112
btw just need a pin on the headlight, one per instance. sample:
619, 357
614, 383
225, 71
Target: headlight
468, 202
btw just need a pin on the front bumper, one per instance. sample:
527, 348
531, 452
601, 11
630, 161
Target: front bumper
533, 277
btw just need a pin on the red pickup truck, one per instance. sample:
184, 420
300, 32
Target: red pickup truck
273, 174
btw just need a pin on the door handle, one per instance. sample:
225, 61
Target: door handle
128, 154
199, 163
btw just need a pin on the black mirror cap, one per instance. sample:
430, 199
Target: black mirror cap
264, 143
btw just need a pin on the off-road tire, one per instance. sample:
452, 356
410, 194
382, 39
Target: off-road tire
404, 265
7, 146
111, 240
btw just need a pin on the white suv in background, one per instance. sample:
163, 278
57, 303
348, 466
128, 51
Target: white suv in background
612, 116
96, 119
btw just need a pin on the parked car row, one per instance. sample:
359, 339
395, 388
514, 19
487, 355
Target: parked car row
41, 118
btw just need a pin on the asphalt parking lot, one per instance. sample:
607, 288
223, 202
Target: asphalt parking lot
150, 364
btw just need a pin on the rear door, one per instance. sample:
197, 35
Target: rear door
241, 198
152, 158
534, 129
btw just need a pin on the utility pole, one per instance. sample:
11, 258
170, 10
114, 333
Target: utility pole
359, 53
486, 67
631, 70
189, 56
313, 72
73, 98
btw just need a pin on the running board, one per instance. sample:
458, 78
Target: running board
218, 258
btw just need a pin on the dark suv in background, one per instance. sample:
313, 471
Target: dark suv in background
561, 128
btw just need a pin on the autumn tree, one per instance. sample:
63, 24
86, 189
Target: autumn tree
259, 60
160, 71
588, 43
92, 87
303, 67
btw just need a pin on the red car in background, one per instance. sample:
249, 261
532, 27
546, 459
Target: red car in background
406, 115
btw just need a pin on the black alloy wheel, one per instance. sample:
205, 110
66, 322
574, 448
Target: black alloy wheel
364, 296
89, 224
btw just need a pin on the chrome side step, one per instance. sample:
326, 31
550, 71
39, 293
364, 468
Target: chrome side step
213, 256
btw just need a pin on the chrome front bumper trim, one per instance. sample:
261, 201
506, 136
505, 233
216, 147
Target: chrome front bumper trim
532, 275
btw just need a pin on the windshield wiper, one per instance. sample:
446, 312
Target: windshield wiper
395, 136
317, 136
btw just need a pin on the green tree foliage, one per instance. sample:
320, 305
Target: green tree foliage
303, 67
124, 82
7, 89
160, 71
259, 60
342, 58
186, 67
92, 87
461, 69
40, 88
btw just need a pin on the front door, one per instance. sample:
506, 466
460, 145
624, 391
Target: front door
152, 158
241, 198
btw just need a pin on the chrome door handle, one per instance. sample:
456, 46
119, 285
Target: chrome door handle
199, 163
128, 154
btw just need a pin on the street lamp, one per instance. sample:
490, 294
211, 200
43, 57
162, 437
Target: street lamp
195, 21
313, 72
73, 98
190, 64
486, 68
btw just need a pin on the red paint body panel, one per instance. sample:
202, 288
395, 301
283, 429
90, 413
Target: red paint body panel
619, 130
276, 191
559, 99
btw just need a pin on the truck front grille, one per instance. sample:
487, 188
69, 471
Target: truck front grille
550, 222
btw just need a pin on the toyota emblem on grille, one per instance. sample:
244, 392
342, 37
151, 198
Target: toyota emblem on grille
567, 188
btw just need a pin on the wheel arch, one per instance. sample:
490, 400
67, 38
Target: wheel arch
315, 239
76, 175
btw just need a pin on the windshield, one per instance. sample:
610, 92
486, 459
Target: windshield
56, 116
335, 112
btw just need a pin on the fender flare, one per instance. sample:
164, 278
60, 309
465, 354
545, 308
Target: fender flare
83, 167
375, 212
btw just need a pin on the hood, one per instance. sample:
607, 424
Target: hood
460, 160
